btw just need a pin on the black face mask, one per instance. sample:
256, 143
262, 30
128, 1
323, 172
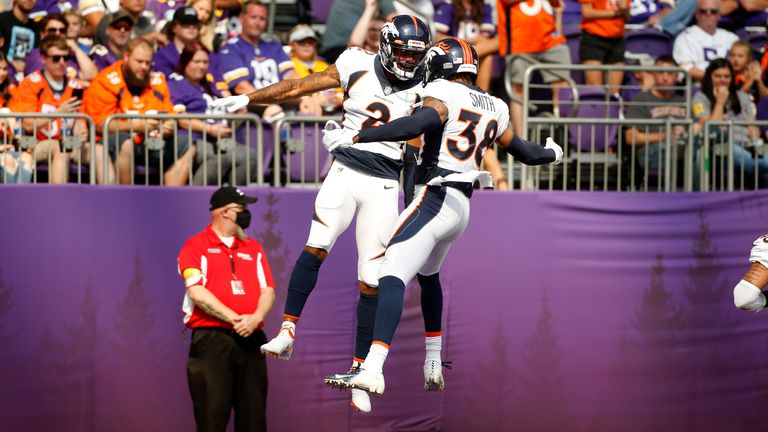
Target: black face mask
243, 219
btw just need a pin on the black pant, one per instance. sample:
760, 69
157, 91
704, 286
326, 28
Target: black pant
225, 372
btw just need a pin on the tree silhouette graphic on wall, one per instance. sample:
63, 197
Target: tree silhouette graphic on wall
708, 327
541, 396
645, 375
136, 348
487, 396
271, 240
77, 368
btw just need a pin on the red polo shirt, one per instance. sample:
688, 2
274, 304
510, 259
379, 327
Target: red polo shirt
235, 275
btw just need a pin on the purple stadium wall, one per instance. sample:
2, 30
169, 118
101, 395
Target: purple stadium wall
563, 312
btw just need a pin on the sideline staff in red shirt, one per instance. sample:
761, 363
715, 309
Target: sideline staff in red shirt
229, 291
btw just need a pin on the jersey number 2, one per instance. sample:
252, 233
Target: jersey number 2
472, 148
382, 116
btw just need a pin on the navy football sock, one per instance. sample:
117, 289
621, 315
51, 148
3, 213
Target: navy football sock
431, 302
390, 308
366, 314
303, 280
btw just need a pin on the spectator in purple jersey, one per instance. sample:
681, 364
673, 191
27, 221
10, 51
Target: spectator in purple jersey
471, 20
79, 65
249, 62
649, 12
192, 93
183, 30
118, 34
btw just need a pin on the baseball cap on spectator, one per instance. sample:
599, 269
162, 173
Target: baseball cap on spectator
118, 16
301, 32
230, 195
186, 15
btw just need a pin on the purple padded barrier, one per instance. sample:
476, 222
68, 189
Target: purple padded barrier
563, 312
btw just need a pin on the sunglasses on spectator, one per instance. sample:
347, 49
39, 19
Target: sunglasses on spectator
56, 30
122, 27
58, 58
709, 11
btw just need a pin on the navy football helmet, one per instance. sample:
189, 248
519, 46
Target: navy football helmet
405, 40
449, 57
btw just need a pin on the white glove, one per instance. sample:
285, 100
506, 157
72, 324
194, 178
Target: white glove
748, 297
335, 136
552, 145
231, 103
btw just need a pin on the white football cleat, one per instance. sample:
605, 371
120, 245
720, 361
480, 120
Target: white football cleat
368, 381
281, 346
433, 376
361, 401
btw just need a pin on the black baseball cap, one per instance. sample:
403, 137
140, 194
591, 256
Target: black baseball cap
230, 195
118, 16
186, 15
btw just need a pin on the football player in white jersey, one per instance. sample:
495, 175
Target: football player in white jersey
748, 293
363, 180
459, 122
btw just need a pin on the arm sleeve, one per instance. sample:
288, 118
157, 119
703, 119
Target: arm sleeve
404, 128
99, 102
190, 265
410, 159
233, 68
25, 99
530, 153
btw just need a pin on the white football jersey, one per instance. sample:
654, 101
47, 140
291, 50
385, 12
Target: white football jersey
370, 99
759, 251
475, 119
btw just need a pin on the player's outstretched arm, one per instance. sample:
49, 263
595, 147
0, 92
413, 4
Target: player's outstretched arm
283, 91
747, 294
530, 153
432, 114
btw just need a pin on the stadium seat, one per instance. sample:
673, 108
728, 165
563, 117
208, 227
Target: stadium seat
647, 42
590, 103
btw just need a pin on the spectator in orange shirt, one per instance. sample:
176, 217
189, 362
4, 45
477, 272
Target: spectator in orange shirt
128, 87
527, 29
50, 91
602, 39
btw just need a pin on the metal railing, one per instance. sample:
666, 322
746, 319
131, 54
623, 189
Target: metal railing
58, 130
727, 149
306, 163
576, 89
246, 127
606, 160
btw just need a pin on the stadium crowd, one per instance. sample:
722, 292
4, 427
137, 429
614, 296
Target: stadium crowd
105, 57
